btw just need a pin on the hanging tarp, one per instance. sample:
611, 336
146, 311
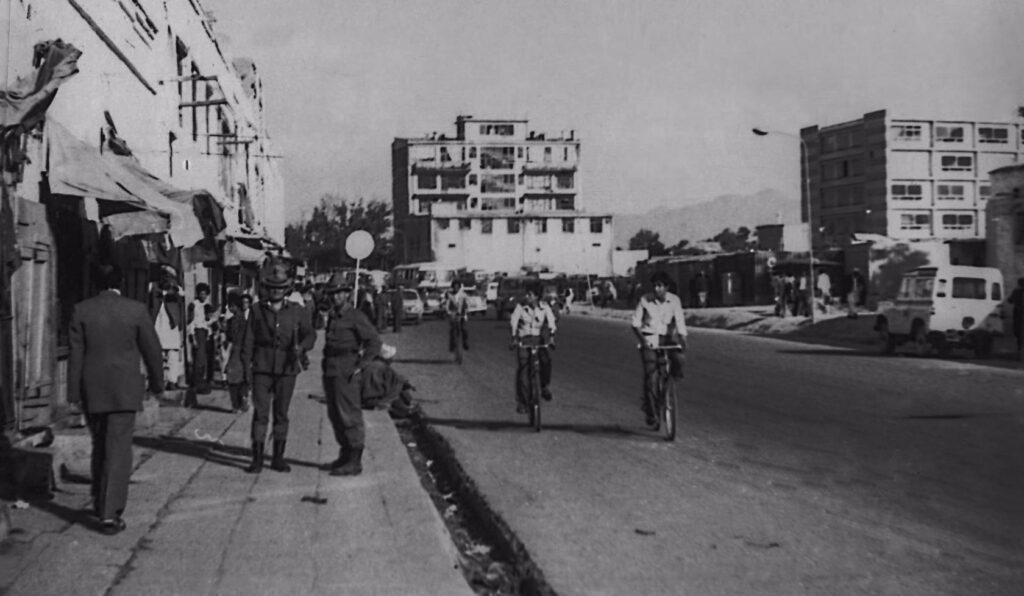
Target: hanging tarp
78, 169
137, 223
237, 252
208, 211
25, 102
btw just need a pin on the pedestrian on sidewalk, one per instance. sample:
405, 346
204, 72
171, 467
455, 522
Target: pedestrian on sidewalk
238, 373
351, 342
199, 339
397, 309
1017, 301
108, 336
275, 346
167, 309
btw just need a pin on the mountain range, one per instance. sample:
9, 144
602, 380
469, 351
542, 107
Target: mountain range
702, 221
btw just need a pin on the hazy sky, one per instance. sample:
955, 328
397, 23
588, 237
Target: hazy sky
662, 94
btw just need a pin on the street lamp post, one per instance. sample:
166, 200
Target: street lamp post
806, 175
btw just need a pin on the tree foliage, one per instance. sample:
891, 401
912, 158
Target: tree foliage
320, 240
646, 239
734, 241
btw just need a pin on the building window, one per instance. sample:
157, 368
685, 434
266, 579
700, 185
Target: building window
914, 221
907, 132
569, 226
503, 183
445, 157
486, 226
949, 134
565, 154
472, 179
957, 163
472, 152
547, 155
566, 203
984, 191
957, 221
425, 207
519, 152
489, 204
463, 154
452, 181
988, 134
497, 158
426, 181
442, 224
513, 226
465, 224
949, 192
538, 182
907, 192
542, 226
564, 180
596, 225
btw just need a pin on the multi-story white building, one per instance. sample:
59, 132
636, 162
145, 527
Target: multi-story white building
496, 197
903, 177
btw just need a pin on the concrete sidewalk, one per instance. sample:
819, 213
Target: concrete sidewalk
198, 524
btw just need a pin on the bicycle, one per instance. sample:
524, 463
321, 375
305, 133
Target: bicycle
666, 401
533, 395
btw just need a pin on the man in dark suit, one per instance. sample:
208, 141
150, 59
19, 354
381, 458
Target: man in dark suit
109, 334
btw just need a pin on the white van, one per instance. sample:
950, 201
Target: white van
944, 307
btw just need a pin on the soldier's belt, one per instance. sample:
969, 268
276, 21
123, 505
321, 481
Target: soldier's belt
332, 352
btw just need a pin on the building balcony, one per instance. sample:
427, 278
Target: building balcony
431, 166
535, 167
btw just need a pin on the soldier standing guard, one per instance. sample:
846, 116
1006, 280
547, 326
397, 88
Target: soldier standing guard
351, 342
279, 336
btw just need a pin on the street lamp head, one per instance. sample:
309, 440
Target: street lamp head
759, 132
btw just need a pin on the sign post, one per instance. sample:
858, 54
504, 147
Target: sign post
358, 245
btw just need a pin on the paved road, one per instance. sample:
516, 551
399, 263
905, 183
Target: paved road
799, 470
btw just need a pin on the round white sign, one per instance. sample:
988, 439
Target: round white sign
359, 244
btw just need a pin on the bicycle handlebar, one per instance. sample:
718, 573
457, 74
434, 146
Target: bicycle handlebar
669, 348
520, 344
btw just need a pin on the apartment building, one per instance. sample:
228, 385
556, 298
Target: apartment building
498, 197
902, 177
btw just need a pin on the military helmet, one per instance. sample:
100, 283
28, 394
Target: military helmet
276, 274
338, 283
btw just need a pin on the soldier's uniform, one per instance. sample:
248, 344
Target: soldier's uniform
275, 347
350, 342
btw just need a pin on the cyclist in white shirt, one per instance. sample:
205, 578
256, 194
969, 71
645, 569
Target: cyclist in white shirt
456, 309
659, 321
533, 323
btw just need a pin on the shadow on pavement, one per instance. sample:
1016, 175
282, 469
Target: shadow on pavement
448, 360
583, 429
211, 451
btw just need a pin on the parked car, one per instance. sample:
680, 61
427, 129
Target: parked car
432, 300
412, 306
475, 303
491, 293
945, 307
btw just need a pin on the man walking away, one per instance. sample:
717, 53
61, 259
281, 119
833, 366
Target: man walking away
456, 309
108, 336
350, 343
397, 308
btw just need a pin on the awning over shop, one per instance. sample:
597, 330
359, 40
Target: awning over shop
137, 223
77, 169
208, 211
238, 251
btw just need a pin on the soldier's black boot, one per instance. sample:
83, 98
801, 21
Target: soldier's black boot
353, 467
277, 463
342, 459
257, 459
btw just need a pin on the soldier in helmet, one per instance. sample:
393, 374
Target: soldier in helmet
279, 336
351, 342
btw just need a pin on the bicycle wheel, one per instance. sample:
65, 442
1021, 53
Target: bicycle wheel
669, 406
